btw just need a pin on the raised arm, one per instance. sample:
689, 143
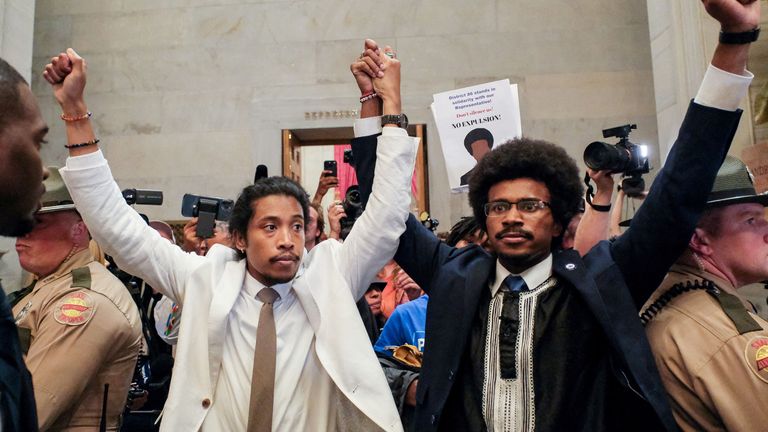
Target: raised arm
374, 237
419, 251
593, 227
364, 144
616, 213
137, 248
664, 223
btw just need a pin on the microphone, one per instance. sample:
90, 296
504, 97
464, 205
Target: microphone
261, 173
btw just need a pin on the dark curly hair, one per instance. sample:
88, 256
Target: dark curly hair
242, 212
465, 227
529, 158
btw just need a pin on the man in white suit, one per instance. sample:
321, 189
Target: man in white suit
326, 375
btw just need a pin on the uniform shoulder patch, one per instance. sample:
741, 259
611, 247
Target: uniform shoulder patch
756, 355
75, 308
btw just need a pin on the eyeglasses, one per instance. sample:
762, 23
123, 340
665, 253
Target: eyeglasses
527, 206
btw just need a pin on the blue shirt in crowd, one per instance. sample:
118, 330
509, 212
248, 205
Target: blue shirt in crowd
404, 326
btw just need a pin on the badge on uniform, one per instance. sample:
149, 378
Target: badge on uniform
23, 312
756, 355
74, 309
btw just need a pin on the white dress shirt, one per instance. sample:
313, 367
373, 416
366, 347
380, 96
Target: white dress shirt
300, 382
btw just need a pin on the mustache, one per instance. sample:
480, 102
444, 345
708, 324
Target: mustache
281, 257
514, 230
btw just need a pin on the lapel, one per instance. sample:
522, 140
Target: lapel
475, 281
620, 323
568, 265
223, 298
305, 296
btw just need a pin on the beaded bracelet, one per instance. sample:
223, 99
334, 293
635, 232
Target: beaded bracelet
75, 118
367, 97
85, 144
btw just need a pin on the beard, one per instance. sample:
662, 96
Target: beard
519, 262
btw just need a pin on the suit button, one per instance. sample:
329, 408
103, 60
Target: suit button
434, 419
206, 403
450, 375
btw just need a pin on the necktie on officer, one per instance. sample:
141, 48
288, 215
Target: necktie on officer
263, 377
511, 287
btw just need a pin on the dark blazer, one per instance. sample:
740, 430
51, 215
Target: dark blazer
17, 401
614, 279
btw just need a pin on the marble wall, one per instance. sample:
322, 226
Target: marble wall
17, 19
190, 95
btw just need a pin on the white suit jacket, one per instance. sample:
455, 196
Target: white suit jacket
328, 283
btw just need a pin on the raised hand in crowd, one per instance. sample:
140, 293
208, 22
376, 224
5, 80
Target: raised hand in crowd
367, 66
200, 246
407, 285
191, 242
734, 16
335, 215
594, 224
324, 184
67, 75
387, 83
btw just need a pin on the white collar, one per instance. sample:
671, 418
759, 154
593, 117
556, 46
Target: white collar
252, 287
533, 276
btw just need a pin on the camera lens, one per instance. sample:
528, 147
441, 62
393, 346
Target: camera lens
601, 156
352, 196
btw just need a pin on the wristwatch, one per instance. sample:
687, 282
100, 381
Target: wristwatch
401, 120
740, 38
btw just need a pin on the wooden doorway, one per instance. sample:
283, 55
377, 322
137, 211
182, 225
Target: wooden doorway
294, 140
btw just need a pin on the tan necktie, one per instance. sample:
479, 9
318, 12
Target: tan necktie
263, 378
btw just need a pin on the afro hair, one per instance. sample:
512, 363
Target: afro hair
528, 158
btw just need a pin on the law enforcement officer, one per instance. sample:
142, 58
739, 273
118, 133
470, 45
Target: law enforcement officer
711, 350
79, 328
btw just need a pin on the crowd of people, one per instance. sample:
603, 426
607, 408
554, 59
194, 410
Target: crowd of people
533, 313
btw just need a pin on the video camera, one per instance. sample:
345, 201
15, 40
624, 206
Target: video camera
631, 160
207, 210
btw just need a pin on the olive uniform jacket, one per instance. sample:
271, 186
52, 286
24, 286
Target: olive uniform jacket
712, 355
79, 333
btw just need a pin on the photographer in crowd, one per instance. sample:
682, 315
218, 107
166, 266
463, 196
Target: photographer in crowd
274, 332
80, 329
711, 349
315, 226
525, 338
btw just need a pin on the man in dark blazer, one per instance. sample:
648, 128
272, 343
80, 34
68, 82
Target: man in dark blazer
22, 130
527, 338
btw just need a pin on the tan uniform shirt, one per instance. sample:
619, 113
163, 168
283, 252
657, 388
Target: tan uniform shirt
79, 340
716, 378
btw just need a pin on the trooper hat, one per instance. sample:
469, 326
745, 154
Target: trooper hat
734, 184
56, 197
